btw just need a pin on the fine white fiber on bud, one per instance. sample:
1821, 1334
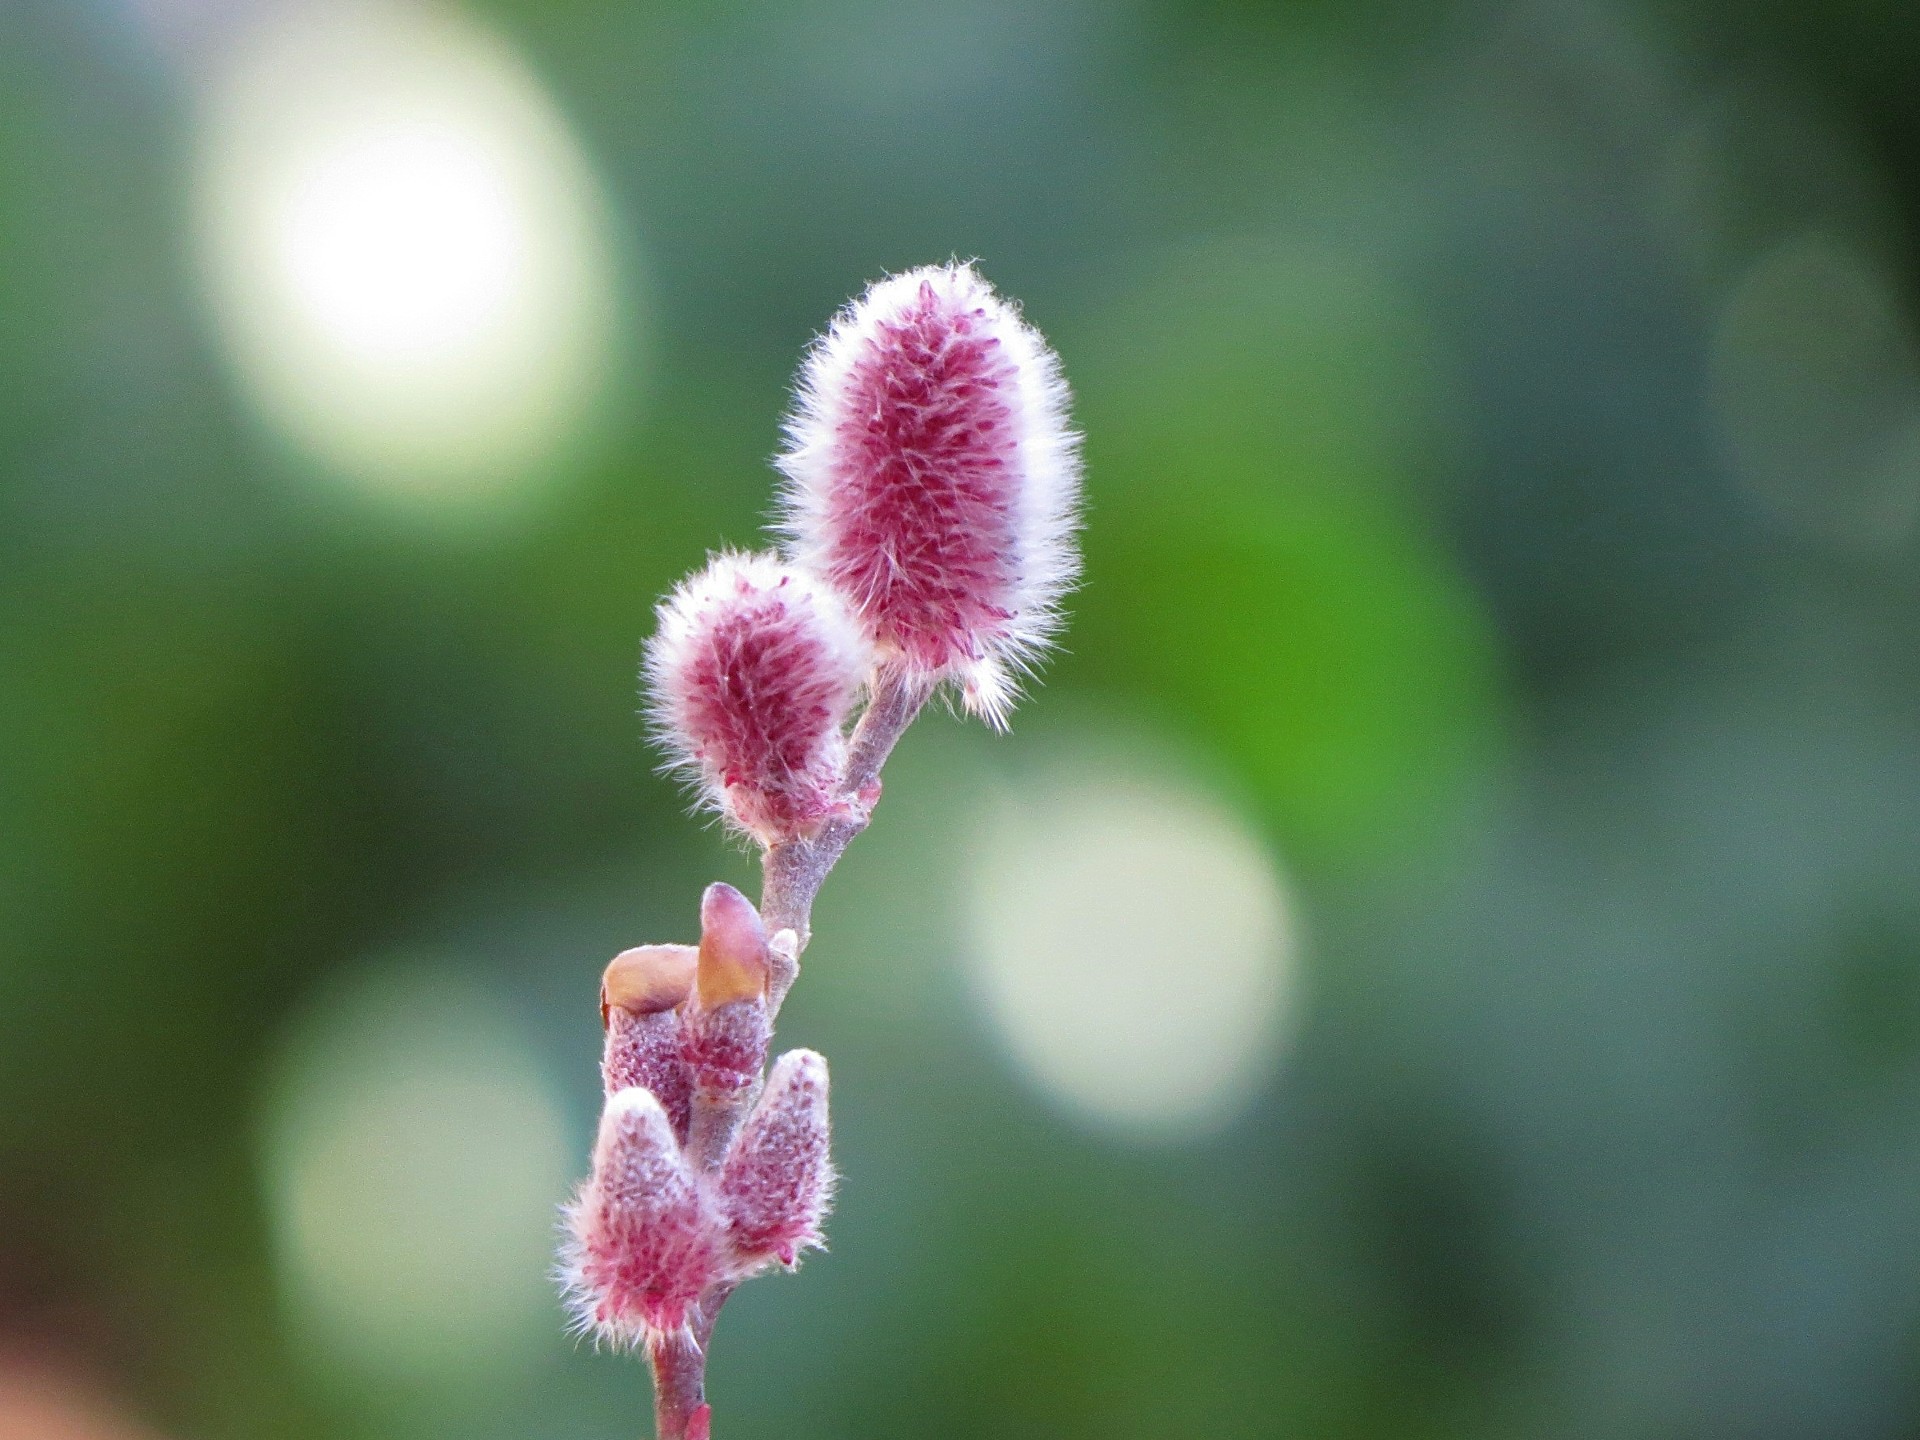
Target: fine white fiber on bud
778, 1179
933, 480
752, 672
642, 1238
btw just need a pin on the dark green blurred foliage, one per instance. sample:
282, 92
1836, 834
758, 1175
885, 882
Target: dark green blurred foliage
1419, 522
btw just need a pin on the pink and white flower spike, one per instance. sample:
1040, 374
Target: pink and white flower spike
933, 480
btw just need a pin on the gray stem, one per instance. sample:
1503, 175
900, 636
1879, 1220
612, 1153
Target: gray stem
794, 870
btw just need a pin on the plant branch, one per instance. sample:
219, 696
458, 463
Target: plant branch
794, 870
679, 1386
679, 1363
792, 874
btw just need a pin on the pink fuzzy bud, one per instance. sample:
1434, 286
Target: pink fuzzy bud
777, 1179
729, 1029
649, 1052
646, 1035
643, 1239
753, 670
648, 979
732, 961
932, 478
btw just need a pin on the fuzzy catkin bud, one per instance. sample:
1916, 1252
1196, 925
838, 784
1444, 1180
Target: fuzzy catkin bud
731, 961
933, 480
729, 1028
752, 672
777, 1180
643, 1244
640, 998
648, 979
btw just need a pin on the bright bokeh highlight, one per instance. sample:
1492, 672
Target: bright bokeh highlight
414, 1150
405, 252
1133, 946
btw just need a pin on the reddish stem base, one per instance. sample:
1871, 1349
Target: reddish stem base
680, 1409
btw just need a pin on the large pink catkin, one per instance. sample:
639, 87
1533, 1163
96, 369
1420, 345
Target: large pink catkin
643, 1238
777, 1181
933, 479
752, 672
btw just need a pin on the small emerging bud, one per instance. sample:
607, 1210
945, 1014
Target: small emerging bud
646, 1037
733, 948
933, 481
753, 670
729, 1028
777, 1179
648, 979
643, 1244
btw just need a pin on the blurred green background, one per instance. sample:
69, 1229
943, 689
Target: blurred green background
1438, 957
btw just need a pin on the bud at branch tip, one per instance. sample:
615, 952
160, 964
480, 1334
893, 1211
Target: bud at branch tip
933, 480
733, 961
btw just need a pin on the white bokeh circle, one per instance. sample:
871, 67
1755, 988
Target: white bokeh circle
404, 250
1133, 945
413, 1149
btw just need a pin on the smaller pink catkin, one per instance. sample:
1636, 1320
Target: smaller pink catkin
649, 1052
932, 478
643, 1239
752, 672
778, 1180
